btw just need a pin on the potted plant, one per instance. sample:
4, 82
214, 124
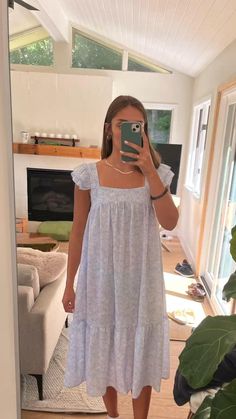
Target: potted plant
205, 349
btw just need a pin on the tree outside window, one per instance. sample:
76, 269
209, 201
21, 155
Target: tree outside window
37, 53
87, 53
159, 125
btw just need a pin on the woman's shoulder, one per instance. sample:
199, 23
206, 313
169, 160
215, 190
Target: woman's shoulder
81, 175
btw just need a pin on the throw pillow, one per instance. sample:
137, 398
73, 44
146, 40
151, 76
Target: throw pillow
58, 230
28, 275
50, 265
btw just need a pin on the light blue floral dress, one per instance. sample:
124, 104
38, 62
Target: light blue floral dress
119, 333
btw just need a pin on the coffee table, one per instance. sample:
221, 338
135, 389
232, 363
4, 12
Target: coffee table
36, 241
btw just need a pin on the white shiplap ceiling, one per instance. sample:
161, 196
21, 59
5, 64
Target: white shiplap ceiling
183, 35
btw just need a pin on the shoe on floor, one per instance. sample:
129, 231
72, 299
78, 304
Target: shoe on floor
199, 287
195, 295
185, 316
184, 269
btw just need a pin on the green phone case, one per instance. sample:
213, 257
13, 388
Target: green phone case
130, 131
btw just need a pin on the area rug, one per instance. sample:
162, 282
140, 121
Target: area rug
177, 299
58, 398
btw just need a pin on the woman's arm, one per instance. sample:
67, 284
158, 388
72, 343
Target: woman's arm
82, 204
166, 211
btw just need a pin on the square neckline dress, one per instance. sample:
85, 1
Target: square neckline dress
119, 334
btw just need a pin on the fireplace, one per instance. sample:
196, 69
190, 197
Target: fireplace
50, 195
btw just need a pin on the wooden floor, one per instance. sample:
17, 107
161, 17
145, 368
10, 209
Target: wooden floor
162, 404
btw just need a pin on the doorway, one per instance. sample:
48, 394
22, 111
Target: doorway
219, 264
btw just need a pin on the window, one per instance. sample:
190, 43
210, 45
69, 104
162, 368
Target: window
198, 144
159, 122
37, 53
34, 47
88, 53
137, 64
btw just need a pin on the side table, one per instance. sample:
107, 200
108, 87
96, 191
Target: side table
36, 241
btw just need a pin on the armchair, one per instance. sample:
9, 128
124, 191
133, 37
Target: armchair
41, 319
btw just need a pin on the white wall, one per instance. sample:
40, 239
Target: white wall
44, 101
222, 70
173, 88
60, 103
67, 103
9, 364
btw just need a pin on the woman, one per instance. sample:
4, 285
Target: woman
119, 334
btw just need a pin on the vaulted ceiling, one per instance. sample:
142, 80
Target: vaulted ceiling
183, 35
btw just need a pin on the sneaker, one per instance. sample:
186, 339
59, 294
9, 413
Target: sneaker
184, 269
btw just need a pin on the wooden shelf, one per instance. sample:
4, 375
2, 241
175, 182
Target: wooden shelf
61, 151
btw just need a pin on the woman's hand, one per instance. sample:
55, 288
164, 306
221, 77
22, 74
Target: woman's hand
68, 300
144, 159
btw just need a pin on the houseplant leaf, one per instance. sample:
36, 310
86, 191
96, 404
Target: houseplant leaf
229, 290
220, 406
233, 243
204, 411
224, 403
206, 348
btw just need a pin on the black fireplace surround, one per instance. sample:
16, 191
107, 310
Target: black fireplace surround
50, 195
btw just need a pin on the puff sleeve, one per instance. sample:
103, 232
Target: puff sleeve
165, 173
81, 177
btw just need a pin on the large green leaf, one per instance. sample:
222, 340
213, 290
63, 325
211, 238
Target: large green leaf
229, 290
233, 243
206, 348
220, 406
204, 411
224, 403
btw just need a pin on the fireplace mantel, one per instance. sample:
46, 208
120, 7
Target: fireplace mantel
62, 151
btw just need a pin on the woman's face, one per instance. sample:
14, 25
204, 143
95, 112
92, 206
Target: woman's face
130, 113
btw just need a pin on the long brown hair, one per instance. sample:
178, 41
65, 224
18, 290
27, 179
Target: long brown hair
116, 106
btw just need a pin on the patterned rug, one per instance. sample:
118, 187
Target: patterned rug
58, 398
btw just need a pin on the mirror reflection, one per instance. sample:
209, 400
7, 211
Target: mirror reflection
68, 64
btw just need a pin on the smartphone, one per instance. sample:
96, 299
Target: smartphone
130, 131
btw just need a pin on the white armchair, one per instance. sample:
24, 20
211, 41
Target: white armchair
41, 319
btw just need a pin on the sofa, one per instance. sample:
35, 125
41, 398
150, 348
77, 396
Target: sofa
41, 313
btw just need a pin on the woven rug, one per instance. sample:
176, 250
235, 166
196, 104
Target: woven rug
58, 398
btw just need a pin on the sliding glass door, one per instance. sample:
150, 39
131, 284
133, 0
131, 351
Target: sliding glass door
219, 262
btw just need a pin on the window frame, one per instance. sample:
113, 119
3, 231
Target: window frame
198, 142
126, 54
163, 107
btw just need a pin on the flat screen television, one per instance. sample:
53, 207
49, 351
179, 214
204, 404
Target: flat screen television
50, 195
171, 155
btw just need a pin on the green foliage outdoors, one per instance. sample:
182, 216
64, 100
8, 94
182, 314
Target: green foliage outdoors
87, 53
134, 65
37, 53
159, 122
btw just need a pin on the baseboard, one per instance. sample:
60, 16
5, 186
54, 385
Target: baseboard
187, 251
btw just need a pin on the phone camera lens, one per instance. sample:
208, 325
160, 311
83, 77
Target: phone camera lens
134, 129
137, 126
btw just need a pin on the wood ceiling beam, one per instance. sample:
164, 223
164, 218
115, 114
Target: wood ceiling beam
51, 16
